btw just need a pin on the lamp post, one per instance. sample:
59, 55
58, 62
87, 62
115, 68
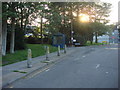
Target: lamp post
71, 32
72, 37
118, 27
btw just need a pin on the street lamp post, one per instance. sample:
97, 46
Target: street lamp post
72, 38
71, 32
118, 27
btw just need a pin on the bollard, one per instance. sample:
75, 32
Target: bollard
65, 48
29, 60
58, 51
47, 52
48, 49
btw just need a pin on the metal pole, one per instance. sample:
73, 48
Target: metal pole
29, 60
58, 51
71, 39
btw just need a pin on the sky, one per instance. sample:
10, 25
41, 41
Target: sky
114, 10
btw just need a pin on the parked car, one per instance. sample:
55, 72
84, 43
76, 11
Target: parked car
76, 44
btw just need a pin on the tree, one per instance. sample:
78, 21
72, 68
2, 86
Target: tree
4, 28
98, 13
12, 9
102, 11
99, 29
59, 18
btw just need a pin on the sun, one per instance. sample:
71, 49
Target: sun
84, 18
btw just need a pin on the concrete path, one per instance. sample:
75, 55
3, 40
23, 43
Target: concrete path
9, 75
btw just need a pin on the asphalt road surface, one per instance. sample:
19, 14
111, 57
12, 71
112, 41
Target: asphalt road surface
87, 67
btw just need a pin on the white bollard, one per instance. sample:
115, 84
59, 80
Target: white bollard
29, 60
65, 48
58, 51
47, 53
48, 49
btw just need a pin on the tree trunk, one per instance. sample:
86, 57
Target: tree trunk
91, 38
41, 31
4, 37
64, 22
25, 25
0, 43
96, 40
21, 18
12, 41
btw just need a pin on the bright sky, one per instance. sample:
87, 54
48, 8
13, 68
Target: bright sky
114, 10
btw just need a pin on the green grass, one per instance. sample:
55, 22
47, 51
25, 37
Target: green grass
88, 43
15, 71
45, 61
20, 55
19, 71
22, 72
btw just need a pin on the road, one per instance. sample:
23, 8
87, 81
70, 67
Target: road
87, 67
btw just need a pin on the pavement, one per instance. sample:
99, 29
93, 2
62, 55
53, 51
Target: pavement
14, 72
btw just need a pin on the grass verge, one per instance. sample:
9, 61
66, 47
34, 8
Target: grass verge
21, 55
89, 44
19, 71
45, 61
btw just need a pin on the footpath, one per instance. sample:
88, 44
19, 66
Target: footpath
14, 72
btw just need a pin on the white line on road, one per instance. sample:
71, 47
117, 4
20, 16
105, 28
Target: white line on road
11, 87
98, 65
83, 56
47, 70
106, 72
112, 48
